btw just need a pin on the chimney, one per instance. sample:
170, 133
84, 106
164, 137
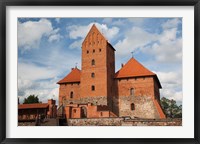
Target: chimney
122, 64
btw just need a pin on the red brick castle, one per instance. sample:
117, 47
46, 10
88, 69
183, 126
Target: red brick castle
97, 91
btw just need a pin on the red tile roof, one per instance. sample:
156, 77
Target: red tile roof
134, 69
73, 76
33, 106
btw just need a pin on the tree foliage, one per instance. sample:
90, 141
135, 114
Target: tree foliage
31, 99
171, 109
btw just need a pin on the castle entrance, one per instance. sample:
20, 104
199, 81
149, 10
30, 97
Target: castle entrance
83, 112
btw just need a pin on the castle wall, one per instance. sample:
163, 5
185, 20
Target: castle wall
122, 122
143, 107
65, 92
140, 102
143, 86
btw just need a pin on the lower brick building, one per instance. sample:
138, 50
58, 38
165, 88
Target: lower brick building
97, 91
30, 112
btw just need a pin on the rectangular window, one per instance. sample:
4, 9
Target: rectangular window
93, 88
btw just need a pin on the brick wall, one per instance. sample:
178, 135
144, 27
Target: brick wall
98, 100
94, 48
145, 90
66, 89
143, 86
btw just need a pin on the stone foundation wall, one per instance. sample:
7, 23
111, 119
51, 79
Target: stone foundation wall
143, 107
158, 122
95, 122
97, 100
121, 122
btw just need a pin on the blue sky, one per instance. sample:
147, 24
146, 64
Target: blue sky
49, 47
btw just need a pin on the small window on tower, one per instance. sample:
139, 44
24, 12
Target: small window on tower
87, 51
132, 92
132, 106
92, 75
93, 50
71, 95
93, 88
99, 50
93, 62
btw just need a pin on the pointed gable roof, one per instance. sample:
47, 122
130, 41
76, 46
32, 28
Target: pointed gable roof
95, 29
73, 76
135, 69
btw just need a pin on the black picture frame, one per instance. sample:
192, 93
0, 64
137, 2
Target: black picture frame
5, 3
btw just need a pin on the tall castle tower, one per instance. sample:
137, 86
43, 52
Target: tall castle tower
98, 69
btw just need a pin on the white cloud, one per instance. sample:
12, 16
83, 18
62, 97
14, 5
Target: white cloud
30, 33
173, 79
164, 47
55, 37
31, 71
32, 80
134, 38
137, 21
172, 94
171, 85
168, 35
172, 23
76, 44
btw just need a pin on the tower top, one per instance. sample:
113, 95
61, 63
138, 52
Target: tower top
92, 30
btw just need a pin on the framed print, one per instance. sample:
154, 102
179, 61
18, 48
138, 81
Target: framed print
99, 72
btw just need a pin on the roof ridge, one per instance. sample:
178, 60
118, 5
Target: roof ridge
133, 68
73, 76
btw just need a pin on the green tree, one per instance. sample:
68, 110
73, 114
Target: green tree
31, 99
171, 109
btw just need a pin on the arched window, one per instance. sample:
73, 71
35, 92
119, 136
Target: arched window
132, 106
93, 62
74, 110
71, 94
93, 88
92, 75
132, 92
